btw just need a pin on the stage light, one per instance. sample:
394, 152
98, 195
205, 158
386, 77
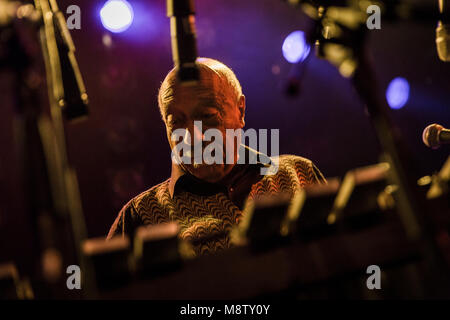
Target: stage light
117, 15
397, 93
295, 49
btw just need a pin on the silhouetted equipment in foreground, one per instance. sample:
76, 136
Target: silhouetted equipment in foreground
317, 243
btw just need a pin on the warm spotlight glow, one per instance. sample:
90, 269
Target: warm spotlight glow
295, 49
397, 93
117, 15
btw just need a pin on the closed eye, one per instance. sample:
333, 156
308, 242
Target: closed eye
209, 115
173, 121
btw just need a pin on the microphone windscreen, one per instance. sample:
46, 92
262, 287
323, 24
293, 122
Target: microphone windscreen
430, 135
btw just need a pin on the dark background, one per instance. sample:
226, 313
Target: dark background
121, 149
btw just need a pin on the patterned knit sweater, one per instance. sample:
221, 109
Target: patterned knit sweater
206, 217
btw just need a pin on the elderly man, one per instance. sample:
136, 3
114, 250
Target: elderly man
206, 200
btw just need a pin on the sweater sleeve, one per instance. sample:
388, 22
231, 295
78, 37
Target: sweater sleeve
126, 222
307, 171
315, 176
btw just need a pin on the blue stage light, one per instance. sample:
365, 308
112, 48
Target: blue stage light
295, 49
117, 15
397, 93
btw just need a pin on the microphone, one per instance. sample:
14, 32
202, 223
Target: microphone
435, 135
184, 39
74, 100
443, 31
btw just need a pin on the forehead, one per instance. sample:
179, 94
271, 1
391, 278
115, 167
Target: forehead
210, 91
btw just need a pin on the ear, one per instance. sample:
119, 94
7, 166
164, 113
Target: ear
241, 108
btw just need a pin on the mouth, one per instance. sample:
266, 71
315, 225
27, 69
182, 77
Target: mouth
198, 162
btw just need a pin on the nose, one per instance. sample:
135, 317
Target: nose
194, 134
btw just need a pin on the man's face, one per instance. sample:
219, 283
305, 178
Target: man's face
214, 103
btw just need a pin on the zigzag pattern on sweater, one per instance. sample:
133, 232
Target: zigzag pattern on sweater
206, 220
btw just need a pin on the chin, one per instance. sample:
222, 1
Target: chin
210, 173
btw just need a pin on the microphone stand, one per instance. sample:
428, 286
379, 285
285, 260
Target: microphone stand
51, 187
68, 97
357, 66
